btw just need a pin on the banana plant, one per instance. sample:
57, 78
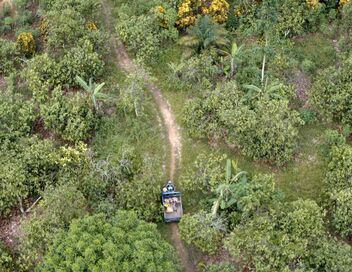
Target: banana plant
226, 191
93, 89
232, 56
271, 91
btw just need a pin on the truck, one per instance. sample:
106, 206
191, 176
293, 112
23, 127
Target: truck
172, 203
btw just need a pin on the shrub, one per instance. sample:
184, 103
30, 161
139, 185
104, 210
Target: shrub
123, 243
143, 34
341, 211
71, 116
280, 240
55, 212
144, 187
65, 28
16, 117
268, 132
40, 75
338, 176
6, 261
26, 43
308, 116
203, 231
198, 72
331, 93
203, 115
79, 61
206, 174
9, 56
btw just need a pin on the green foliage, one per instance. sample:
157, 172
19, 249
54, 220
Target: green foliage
339, 187
16, 117
268, 132
79, 61
203, 115
198, 71
60, 205
143, 188
132, 96
331, 93
202, 230
65, 28
144, 35
9, 55
308, 116
205, 175
93, 89
339, 168
6, 261
220, 267
71, 116
281, 240
25, 170
204, 35
332, 138
341, 211
123, 243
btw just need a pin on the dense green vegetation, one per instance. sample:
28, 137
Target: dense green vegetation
261, 91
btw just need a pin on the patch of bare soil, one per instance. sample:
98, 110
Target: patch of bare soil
10, 229
9, 3
302, 83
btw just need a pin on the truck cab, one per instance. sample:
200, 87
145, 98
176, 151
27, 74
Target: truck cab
172, 203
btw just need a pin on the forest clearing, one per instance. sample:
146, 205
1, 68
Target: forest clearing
175, 135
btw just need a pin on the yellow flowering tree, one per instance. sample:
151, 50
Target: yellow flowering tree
26, 43
189, 9
343, 2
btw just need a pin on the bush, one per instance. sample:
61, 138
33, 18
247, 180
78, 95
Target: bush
332, 91
79, 61
26, 168
40, 74
26, 43
206, 174
267, 132
58, 208
71, 116
6, 261
280, 240
65, 28
143, 34
203, 115
308, 116
308, 66
198, 71
341, 211
340, 168
123, 243
9, 56
203, 231
16, 117
144, 187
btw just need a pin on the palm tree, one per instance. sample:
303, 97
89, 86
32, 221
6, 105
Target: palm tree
226, 191
93, 89
204, 35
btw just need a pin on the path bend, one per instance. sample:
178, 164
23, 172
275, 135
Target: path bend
173, 132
